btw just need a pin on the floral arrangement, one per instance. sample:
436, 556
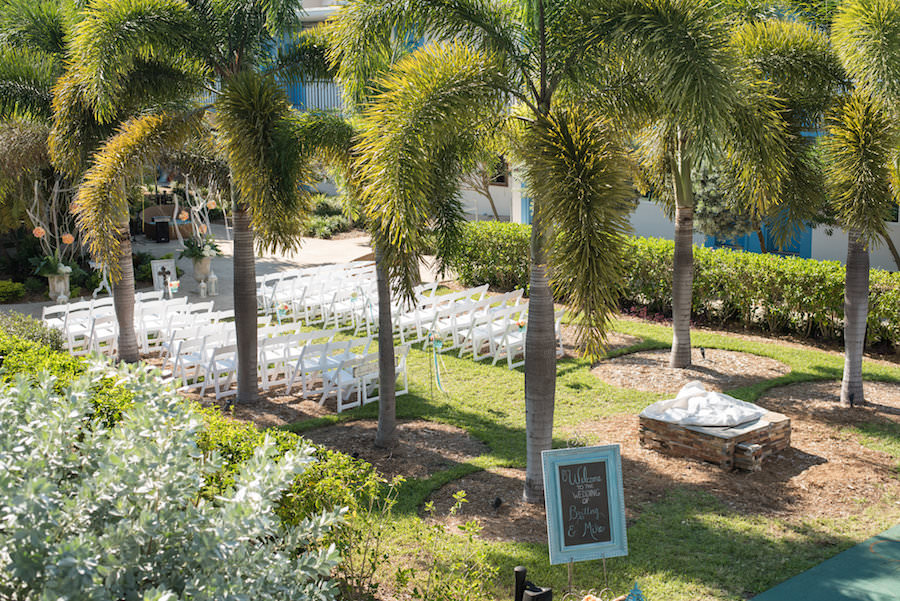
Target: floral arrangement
50, 265
200, 248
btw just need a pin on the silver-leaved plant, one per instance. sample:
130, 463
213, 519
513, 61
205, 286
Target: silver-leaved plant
101, 514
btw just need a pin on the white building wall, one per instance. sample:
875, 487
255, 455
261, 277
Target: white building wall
478, 208
831, 244
650, 221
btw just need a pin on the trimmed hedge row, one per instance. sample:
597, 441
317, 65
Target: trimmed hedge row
776, 294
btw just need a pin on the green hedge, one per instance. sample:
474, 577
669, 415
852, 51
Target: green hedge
777, 294
493, 253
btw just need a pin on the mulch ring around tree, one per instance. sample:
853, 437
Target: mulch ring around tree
424, 448
718, 370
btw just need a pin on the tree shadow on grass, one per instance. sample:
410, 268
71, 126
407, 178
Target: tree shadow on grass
687, 546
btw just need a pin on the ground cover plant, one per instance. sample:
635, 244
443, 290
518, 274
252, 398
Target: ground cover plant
77, 517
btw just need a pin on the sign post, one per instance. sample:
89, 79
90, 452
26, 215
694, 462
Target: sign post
585, 503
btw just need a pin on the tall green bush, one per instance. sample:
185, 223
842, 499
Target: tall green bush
494, 253
777, 294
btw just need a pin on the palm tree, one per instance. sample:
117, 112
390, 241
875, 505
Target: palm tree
223, 50
861, 150
837, 75
525, 62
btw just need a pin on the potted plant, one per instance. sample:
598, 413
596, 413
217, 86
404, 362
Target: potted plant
200, 251
57, 274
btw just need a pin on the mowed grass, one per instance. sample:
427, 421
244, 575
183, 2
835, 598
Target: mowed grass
686, 546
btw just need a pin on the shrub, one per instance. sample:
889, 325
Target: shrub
770, 292
325, 226
34, 284
82, 518
10, 292
494, 253
25, 327
31, 359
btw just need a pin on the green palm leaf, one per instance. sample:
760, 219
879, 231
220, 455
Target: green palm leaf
866, 36
859, 151
260, 140
432, 96
101, 205
577, 176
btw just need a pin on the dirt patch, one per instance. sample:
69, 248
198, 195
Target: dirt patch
424, 448
825, 473
614, 341
822, 401
494, 499
717, 369
271, 408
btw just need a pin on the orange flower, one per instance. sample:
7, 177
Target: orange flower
202, 228
183, 215
39, 232
68, 238
211, 205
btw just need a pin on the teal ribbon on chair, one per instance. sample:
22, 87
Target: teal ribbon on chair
436, 344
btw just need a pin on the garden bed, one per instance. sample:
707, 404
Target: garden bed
718, 370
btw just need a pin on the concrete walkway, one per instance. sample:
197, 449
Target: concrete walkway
313, 251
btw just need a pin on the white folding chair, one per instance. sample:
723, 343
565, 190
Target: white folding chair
220, 371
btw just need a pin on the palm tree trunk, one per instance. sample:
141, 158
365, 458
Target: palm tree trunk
540, 365
245, 305
856, 311
762, 241
123, 300
893, 248
386, 436
683, 267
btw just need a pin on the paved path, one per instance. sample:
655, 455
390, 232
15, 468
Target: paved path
313, 251
870, 571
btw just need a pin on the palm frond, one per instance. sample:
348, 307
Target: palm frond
577, 175
101, 204
430, 97
866, 36
75, 132
34, 24
798, 61
681, 48
756, 149
304, 58
26, 81
113, 37
858, 152
259, 137
370, 35
326, 136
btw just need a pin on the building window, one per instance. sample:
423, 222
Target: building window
894, 213
501, 177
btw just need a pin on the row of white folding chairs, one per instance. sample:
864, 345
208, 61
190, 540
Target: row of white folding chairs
504, 337
413, 324
274, 290
453, 324
355, 380
287, 359
87, 325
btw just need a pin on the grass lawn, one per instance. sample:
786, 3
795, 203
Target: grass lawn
687, 544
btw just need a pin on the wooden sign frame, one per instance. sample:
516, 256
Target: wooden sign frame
581, 524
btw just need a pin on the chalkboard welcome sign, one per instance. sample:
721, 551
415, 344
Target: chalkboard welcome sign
585, 503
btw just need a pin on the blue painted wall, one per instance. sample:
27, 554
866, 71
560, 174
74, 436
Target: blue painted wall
799, 246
